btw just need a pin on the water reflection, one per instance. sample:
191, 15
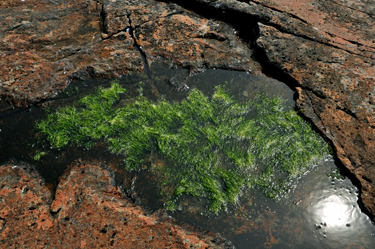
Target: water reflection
332, 213
322, 212
335, 211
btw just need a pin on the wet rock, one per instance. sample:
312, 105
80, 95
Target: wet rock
86, 212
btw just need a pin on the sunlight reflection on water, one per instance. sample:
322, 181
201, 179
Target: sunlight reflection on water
333, 214
335, 211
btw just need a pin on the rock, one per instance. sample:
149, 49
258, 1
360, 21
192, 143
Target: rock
346, 24
86, 212
23, 198
45, 44
336, 91
170, 32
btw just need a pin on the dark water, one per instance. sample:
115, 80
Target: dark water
322, 211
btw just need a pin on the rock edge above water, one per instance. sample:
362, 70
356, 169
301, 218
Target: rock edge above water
86, 212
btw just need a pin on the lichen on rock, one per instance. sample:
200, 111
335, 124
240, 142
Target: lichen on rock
215, 147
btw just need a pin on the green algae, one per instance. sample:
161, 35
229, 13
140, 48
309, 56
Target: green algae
335, 174
216, 147
38, 155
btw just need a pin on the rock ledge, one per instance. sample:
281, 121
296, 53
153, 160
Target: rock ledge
87, 212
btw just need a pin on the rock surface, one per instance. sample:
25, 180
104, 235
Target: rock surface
86, 212
183, 37
336, 91
45, 44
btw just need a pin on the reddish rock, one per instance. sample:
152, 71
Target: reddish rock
345, 24
168, 31
87, 212
44, 44
24, 203
337, 93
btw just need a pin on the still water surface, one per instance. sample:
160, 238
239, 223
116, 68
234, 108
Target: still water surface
321, 212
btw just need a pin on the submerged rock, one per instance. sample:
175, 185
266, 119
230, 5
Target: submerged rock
87, 211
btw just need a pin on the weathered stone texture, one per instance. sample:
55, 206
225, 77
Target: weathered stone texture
337, 93
334, 23
168, 31
86, 212
44, 44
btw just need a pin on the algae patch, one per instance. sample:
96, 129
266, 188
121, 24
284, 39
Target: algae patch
38, 155
217, 147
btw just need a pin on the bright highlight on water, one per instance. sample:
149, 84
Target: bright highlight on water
215, 147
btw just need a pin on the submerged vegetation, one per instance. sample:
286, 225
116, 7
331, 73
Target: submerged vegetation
38, 155
216, 147
335, 174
